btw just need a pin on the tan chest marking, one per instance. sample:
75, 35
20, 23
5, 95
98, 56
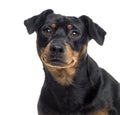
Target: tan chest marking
103, 111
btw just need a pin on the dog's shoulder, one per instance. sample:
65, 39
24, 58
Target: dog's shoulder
109, 88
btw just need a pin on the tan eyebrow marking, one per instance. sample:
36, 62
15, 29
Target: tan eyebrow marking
53, 25
69, 26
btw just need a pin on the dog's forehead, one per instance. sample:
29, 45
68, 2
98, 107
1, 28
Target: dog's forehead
57, 18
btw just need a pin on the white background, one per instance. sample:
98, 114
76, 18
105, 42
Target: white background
21, 74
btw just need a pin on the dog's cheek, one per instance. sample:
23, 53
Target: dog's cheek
41, 53
83, 50
76, 56
40, 50
44, 52
71, 55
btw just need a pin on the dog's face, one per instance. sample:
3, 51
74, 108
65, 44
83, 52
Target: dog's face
62, 40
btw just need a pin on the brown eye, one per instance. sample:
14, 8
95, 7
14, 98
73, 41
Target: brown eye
74, 34
47, 31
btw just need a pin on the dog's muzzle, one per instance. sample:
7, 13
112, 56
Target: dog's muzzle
58, 54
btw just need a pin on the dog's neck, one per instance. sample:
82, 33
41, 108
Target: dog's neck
66, 95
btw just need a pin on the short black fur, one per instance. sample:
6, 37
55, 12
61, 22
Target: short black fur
91, 91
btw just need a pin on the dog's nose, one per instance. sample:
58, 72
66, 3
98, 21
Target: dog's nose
56, 49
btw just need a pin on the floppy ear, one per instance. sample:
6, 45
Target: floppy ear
95, 31
32, 24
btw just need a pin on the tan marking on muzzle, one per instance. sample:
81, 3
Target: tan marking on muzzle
64, 74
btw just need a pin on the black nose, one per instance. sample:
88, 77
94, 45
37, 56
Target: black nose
57, 49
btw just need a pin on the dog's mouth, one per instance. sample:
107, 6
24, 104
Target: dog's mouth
58, 63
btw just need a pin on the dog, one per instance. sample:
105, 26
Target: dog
74, 83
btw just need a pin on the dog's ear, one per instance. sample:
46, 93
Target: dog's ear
94, 31
32, 24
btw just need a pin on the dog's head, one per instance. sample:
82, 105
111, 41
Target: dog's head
62, 40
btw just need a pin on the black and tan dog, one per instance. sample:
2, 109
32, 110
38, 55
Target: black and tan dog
74, 84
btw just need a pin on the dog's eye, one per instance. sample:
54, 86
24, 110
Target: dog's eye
47, 31
74, 34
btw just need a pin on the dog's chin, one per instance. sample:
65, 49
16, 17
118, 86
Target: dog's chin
58, 64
